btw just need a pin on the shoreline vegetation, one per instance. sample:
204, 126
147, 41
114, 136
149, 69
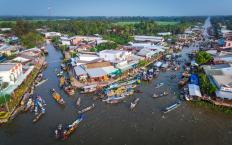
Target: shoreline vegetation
211, 106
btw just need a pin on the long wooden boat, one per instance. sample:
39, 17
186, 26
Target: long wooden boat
57, 97
133, 104
64, 132
86, 109
172, 107
37, 117
41, 82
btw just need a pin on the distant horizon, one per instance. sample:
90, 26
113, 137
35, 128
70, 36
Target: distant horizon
114, 16
115, 8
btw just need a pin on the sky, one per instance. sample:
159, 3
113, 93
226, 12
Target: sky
115, 7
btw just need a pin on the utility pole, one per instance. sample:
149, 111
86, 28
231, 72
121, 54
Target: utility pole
49, 8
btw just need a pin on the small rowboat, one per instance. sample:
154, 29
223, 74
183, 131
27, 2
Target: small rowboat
86, 109
78, 103
57, 97
133, 104
159, 85
155, 96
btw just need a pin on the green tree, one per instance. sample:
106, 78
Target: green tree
104, 46
205, 85
32, 39
203, 57
22, 28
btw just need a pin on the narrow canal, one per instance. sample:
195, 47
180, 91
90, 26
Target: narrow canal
116, 124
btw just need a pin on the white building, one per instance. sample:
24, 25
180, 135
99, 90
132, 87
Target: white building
10, 72
147, 53
65, 41
52, 34
164, 33
148, 38
115, 56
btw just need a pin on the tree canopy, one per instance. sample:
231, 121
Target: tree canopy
32, 39
203, 57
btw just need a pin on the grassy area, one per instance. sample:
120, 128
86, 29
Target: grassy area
7, 21
158, 22
126, 23
166, 22
211, 106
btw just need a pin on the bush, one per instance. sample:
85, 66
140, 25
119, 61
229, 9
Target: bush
104, 46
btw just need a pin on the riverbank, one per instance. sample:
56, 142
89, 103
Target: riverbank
16, 97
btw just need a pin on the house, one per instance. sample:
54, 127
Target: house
75, 40
146, 53
8, 49
50, 35
127, 65
10, 72
164, 33
227, 45
99, 71
115, 56
153, 39
80, 73
5, 29
65, 41
221, 77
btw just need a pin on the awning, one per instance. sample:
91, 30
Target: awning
194, 90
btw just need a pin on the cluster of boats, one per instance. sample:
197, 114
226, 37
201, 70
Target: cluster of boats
36, 105
68, 89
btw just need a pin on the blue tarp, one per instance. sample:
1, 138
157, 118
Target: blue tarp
221, 42
194, 79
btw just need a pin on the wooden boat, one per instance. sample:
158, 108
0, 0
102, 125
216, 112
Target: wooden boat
41, 82
159, 85
29, 105
39, 78
86, 109
172, 107
62, 81
78, 103
45, 65
69, 90
133, 104
164, 94
64, 132
89, 89
37, 117
114, 101
57, 97
155, 96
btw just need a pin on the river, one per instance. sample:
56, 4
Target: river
116, 124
